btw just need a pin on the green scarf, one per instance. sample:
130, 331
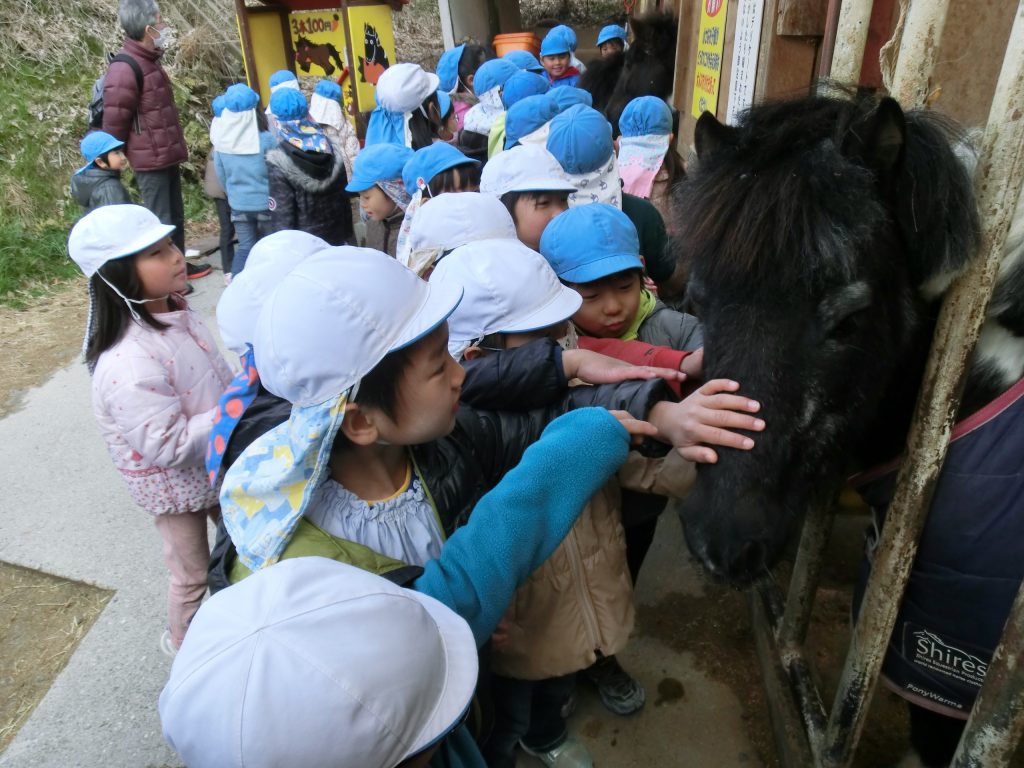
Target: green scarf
647, 303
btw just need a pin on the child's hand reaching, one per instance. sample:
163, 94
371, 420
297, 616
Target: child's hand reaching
638, 430
705, 418
595, 368
693, 365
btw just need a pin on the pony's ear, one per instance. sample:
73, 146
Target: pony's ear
709, 136
878, 138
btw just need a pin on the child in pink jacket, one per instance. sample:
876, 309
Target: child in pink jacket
156, 379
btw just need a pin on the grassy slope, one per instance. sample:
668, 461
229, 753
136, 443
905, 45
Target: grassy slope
49, 57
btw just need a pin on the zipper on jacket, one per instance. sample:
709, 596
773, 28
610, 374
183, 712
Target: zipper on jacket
586, 604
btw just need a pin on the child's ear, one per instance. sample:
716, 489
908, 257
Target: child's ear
615, 143
358, 427
469, 82
473, 353
101, 163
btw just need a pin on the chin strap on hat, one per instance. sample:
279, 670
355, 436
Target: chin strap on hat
129, 302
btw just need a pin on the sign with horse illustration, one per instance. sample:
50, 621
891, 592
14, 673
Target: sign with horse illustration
373, 48
318, 39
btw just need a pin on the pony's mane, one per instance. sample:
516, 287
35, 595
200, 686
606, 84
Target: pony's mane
783, 202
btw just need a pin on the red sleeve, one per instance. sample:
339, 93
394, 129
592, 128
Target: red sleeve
637, 353
120, 99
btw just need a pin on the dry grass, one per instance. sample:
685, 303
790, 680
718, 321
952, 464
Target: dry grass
42, 620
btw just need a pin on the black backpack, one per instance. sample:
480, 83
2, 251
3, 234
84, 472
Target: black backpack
96, 102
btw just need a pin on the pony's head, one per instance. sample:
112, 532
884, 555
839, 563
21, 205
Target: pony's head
814, 230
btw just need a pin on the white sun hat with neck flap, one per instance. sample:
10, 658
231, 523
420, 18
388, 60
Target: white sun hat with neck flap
508, 289
317, 663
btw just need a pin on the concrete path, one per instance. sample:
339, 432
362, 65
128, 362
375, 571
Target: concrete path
67, 512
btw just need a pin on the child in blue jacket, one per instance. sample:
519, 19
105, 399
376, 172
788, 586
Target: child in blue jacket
240, 143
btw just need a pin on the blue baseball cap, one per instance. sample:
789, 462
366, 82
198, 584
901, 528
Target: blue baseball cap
282, 76
218, 105
524, 60
588, 242
240, 98
569, 96
521, 85
568, 33
426, 162
95, 144
645, 115
378, 162
288, 104
526, 116
444, 103
448, 68
493, 74
580, 139
555, 43
611, 32
328, 89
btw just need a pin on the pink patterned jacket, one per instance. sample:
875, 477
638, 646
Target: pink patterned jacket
154, 394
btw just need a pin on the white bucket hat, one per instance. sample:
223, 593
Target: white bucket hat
454, 219
313, 662
269, 261
370, 304
113, 232
403, 87
508, 289
525, 168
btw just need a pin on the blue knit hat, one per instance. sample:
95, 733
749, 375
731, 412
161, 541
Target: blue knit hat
288, 104
569, 96
527, 115
555, 43
240, 98
589, 242
524, 60
218, 105
493, 74
328, 89
521, 85
448, 68
95, 144
281, 76
429, 161
581, 139
645, 115
611, 32
378, 162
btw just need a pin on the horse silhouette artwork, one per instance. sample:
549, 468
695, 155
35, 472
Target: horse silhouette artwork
646, 69
820, 234
372, 65
308, 53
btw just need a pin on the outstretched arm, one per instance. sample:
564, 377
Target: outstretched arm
518, 524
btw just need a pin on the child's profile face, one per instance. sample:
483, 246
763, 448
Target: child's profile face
556, 64
609, 304
161, 270
377, 205
428, 394
532, 214
610, 48
116, 160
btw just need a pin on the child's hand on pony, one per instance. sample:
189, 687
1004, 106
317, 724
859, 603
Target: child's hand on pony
595, 368
705, 419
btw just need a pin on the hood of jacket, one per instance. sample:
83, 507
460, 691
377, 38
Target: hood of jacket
311, 171
83, 184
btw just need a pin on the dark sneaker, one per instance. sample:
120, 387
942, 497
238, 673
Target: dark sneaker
196, 271
620, 693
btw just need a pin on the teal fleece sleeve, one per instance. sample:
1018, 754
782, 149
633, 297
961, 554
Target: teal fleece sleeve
522, 520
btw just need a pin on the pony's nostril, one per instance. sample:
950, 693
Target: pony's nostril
750, 560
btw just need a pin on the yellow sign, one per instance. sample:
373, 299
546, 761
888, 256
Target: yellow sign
373, 49
268, 51
318, 38
710, 44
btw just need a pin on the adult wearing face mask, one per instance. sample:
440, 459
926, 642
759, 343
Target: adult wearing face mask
146, 119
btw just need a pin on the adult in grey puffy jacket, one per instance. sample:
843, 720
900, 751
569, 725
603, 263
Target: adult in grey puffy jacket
147, 120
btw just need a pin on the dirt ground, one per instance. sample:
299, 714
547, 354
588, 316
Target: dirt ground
42, 620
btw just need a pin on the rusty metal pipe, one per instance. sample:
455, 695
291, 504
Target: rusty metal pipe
803, 584
919, 50
997, 186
